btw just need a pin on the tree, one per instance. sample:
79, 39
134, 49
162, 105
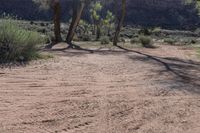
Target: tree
96, 18
120, 22
198, 4
55, 6
108, 22
78, 6
56, 19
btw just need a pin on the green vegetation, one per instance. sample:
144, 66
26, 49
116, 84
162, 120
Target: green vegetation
104, 40
108, 23
146, 41
86, 37
198, 52
20, 39
135, 40
170, 41
145, 31
96, 18
17, 44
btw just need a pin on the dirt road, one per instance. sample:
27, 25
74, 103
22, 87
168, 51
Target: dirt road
141, 91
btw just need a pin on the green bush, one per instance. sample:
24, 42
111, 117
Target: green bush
197, 31
86, 37
122, 39
156, 31
146, 41
135, 40
76, 38
17, 44
145, 31
193, 41
105, 40
170, 41
41, 30
185, 41
198, 52
198, 40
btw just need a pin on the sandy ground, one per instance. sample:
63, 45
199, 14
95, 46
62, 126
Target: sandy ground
141, 91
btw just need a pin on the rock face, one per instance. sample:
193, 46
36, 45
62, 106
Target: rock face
163, 13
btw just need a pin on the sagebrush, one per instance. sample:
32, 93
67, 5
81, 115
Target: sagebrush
17, 44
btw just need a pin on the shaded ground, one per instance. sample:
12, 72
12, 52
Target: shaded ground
104, 91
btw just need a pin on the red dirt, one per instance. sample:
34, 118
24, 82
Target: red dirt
103, 92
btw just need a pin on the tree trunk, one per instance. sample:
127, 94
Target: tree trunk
120, 22
56, 20
98, 32
77, 13
94, 26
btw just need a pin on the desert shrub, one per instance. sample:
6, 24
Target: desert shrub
197, 31
41, 30
105, 40
146, 41
76, 38
85, 37
145, 31
156, 31
123, 40
185, 41
198, 40
135, 40
84, 27
17, 44
127, 33
42, 24
51, 37
193, 41
170, 41
31, 23
198, 52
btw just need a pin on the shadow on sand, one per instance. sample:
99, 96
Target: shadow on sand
186, 73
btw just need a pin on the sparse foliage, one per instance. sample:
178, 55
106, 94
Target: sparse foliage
146, 41
104, 40
95, 10
108, 23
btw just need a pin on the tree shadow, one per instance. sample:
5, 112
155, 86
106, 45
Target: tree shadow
186, 73
76, 50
